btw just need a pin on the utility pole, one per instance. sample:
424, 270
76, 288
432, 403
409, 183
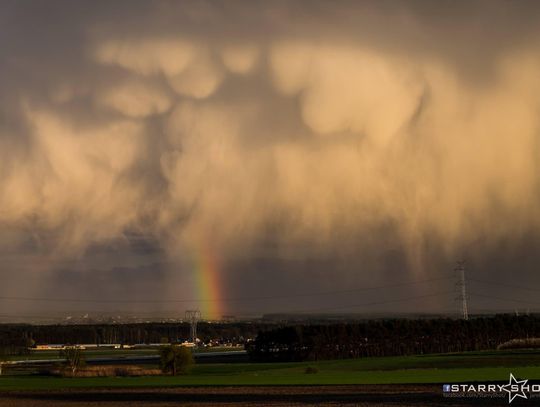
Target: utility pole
193, 317
460, 269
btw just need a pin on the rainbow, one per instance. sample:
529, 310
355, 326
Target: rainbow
206, 268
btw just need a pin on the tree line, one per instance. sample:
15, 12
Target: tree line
24, 335
299, 341
392, 337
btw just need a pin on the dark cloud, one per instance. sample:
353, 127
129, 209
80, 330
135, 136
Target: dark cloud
302, 146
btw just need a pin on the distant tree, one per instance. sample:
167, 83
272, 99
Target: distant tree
74, 358
30, 343
175, 359
4, 357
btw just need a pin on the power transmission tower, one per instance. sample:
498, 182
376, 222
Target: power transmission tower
193, 317
460, 269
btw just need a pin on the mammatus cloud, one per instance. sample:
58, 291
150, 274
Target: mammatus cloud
146, 56
302, 136
134, 98
240, 59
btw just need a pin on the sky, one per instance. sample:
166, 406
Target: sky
255, 157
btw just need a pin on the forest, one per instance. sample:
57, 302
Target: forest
268, 342
391, 337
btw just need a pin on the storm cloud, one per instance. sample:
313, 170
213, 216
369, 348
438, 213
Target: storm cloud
306, 144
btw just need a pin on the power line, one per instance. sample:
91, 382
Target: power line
502, 284
311, 310
492, 297
9, 316
238, 299
367, 304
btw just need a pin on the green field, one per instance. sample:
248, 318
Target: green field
445, 368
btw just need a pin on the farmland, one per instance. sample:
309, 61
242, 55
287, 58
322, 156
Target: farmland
441, 368
395, 380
